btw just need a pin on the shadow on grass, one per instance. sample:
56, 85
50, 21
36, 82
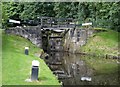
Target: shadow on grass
42, 78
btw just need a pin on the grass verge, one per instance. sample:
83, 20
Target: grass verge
102, 43
17, 66
0, 57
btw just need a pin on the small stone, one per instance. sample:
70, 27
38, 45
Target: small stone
28, 80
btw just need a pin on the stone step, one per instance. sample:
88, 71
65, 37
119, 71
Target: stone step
58, 72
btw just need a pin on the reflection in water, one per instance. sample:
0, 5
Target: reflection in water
70, 69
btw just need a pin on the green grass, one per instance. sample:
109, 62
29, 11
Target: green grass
17, 66
102, 43
100, 29
0, 57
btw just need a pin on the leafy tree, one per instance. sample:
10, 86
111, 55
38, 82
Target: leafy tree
102, 14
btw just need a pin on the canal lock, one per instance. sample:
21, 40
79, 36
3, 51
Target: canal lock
67, 67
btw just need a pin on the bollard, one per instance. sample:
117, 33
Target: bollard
26, 50
35, 70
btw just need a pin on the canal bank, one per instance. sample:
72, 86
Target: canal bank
102, 43
16, 66
95, 41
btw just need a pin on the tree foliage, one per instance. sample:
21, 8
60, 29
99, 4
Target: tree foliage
102, 14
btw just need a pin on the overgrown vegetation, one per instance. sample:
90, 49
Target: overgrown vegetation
17, 66
102, 14
102, 43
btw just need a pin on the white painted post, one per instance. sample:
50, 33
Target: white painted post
27, 50
35, 70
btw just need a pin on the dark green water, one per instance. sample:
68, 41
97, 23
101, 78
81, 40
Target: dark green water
71, 68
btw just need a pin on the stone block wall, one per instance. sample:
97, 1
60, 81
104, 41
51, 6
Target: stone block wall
76, 38
32, 33
56, 44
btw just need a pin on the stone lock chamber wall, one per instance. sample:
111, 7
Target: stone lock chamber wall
72, 41
32, 33
76, 38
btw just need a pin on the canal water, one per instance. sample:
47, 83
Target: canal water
71, 69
